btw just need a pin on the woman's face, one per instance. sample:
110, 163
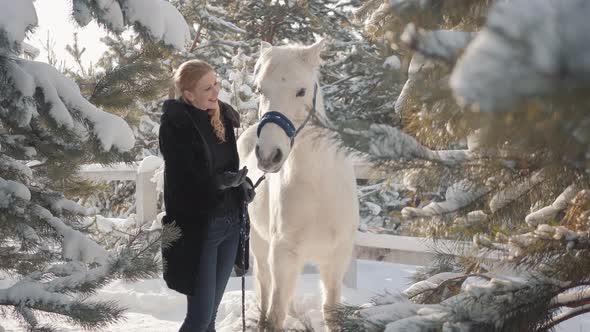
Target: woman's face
204, 93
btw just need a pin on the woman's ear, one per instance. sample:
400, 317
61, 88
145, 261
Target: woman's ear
187, 95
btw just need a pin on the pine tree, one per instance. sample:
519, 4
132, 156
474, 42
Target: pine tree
133, 78
47, 130
493, 111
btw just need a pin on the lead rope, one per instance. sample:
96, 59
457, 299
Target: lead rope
244, 236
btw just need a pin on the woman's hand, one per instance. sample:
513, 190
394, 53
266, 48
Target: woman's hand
231, 179
248, 190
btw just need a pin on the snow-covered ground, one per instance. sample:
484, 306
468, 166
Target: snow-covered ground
154, 308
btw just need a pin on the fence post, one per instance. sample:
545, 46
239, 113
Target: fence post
146, 195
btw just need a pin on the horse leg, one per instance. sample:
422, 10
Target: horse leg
262, 278
285, 265
331, 275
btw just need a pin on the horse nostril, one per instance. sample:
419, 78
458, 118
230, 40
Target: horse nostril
278, 156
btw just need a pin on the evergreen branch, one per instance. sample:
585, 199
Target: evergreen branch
457, 196
565, 316
435, 284
572, 299
443, 45
509, 194
89, 315
545, 214
197, 37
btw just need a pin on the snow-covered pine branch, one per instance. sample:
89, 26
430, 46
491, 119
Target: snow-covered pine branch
45, 116
526, 49
408, 7
389, 142
445, 45
457, 196
547, 213
572, 298
526, 71
418, 63
16, 20
432, 283
565, 315
168, 25
515, 190
219, 22
68, 108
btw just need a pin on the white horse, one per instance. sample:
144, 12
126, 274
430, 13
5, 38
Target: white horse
307, 208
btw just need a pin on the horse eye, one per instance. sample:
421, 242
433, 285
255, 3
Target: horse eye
300, 93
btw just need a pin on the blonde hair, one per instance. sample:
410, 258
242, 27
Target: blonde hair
185, 78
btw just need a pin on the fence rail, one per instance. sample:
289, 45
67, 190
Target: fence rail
399, 249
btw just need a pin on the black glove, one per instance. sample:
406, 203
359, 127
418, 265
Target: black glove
248, 190
230, 179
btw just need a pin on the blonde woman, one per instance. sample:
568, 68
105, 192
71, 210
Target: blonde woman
204, 193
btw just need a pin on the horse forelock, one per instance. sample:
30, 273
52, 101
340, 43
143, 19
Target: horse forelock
284, 65
286, 59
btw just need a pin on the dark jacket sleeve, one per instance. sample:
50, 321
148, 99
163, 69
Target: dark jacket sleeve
188, 187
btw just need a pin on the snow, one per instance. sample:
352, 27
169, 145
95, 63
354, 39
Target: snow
417, 64
392, 62
10, 189
23, 170
527, 48
457, 196
122, 167
15, 18
390, 142
22, 80
227, 25
150, 164
107, 225
155, 308
76, 246
64, 95
572, 297
24, 83
81, 13
430, 283
66, 204
34, 292
112, 14
30, 50
548, 212
446, 45
161, 19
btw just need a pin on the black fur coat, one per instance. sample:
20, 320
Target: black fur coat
189, 192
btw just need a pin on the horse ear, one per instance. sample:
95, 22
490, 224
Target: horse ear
311, 54
264, 46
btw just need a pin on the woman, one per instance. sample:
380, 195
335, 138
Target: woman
204, 193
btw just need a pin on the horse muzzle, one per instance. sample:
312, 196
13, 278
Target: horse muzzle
270, 162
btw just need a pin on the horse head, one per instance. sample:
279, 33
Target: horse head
286, 79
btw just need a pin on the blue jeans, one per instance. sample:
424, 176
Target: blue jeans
215, 266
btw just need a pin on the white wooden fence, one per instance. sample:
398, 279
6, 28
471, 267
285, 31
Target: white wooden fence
400, 249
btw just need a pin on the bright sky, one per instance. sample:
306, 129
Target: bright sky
55, 18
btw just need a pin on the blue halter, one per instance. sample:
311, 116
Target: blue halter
283, 121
